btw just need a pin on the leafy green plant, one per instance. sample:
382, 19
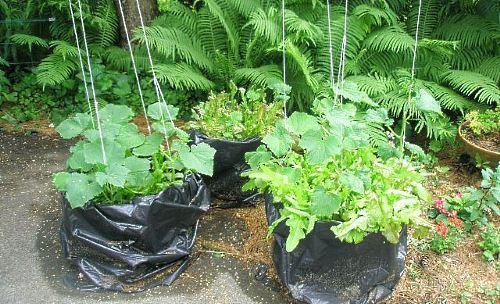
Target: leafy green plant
490, 243
484, 122
442, 244
237, 115
135, 164
324, 169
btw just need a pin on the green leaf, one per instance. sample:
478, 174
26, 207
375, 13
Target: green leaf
150, 146
115, 153
117, 114
350, 90
200, 159
79, 188
324, 204
261, 155
379, 116
61, 180
114, 174
299, 123
136, 164
130, 137
319, 149
297, 227
279, 141
74, 126
425, 102
352, 182
156, 110
77, 159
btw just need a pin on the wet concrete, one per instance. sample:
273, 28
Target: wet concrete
32, 269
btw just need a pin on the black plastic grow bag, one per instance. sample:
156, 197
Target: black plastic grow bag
135, 246
229, 162
322, 269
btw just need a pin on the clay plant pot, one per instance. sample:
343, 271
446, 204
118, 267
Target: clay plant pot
472, 149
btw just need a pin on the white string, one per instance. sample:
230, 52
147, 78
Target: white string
284, 58
342, 54
413, 65
159, 93
125, 27
87, 97
96, 105
332, 77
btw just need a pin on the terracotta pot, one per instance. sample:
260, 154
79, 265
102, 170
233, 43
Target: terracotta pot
472, 149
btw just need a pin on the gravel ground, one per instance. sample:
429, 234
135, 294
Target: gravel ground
32, 269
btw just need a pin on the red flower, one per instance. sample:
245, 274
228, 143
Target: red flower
442, 229
457, 222
438, 203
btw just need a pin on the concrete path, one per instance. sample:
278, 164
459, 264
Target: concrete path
32, 269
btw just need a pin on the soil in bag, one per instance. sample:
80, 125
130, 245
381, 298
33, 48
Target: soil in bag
229, 163
134, 246
322, 269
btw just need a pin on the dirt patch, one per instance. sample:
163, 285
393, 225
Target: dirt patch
489, 142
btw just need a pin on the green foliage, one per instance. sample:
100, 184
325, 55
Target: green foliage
443, 244
490, 243
484, 122
237, 115
323, 169
134, 165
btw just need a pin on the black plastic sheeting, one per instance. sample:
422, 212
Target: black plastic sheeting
229, 163
324, 270
134, 246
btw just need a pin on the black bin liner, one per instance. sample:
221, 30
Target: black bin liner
229, 162
134, 246
322, 269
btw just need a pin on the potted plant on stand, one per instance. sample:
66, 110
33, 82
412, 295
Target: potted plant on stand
130, 213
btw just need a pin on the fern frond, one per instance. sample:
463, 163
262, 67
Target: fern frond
449, 99
118, 58
375, 16
223, 13
430, 18
173, 43
54, 69
373, 85
302, 30
265, 25
263, 76
210, 33
490, 67
64, 49
471, 31
246, 7
183, 77
392, 38
29, 40
475, 85
106, 21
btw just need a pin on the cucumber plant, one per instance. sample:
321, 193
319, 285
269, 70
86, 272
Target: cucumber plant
323, 168
135, 164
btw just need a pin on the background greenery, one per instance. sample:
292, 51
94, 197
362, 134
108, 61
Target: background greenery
203, 47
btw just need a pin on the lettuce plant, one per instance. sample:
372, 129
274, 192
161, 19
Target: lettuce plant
324, 169
237, 115
136, 164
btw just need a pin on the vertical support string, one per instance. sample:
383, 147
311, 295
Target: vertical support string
343, 51
84, 77
283, 38
330, 49
159, 93
96, 105
413, 68
129, 44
